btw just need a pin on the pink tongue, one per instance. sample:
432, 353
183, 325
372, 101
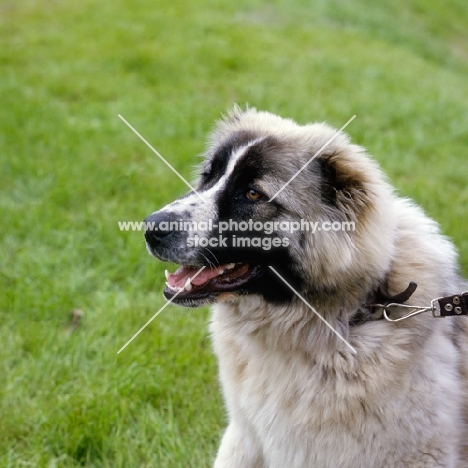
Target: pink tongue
179, 277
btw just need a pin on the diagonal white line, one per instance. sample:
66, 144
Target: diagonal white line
312, 158
314, 311
157, 154
156, 314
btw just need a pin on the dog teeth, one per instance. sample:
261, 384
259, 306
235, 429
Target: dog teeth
178, 289
220, 272
166, 273
230, 266
171, 288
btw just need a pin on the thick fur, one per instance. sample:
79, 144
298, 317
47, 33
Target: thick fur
296, 395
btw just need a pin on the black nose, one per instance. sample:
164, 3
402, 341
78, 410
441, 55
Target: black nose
158, 227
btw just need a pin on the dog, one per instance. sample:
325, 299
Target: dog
313, 374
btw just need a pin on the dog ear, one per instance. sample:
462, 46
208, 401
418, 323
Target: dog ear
343, 185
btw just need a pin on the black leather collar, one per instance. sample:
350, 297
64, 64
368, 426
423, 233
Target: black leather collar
373, 310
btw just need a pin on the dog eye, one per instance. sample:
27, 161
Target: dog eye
206, 171
253, 195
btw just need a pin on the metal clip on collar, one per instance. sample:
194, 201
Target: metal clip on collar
440, 307
416, 310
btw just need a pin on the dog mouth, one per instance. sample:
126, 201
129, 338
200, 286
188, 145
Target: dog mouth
194, 285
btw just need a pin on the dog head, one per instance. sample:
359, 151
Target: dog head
277, 207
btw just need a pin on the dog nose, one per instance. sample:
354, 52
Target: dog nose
157, 227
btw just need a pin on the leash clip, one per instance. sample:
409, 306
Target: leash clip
449, 306
416, 310
435, 308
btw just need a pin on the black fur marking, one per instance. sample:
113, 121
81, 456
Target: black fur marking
233, 204
328, 183
251, 166
215, 168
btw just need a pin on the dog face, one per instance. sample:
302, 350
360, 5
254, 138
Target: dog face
233, 227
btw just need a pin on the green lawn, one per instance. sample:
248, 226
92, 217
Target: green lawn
70, 170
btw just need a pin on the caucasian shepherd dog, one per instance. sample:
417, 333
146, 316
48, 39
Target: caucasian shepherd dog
313, 373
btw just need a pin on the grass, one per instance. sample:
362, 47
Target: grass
70, 169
